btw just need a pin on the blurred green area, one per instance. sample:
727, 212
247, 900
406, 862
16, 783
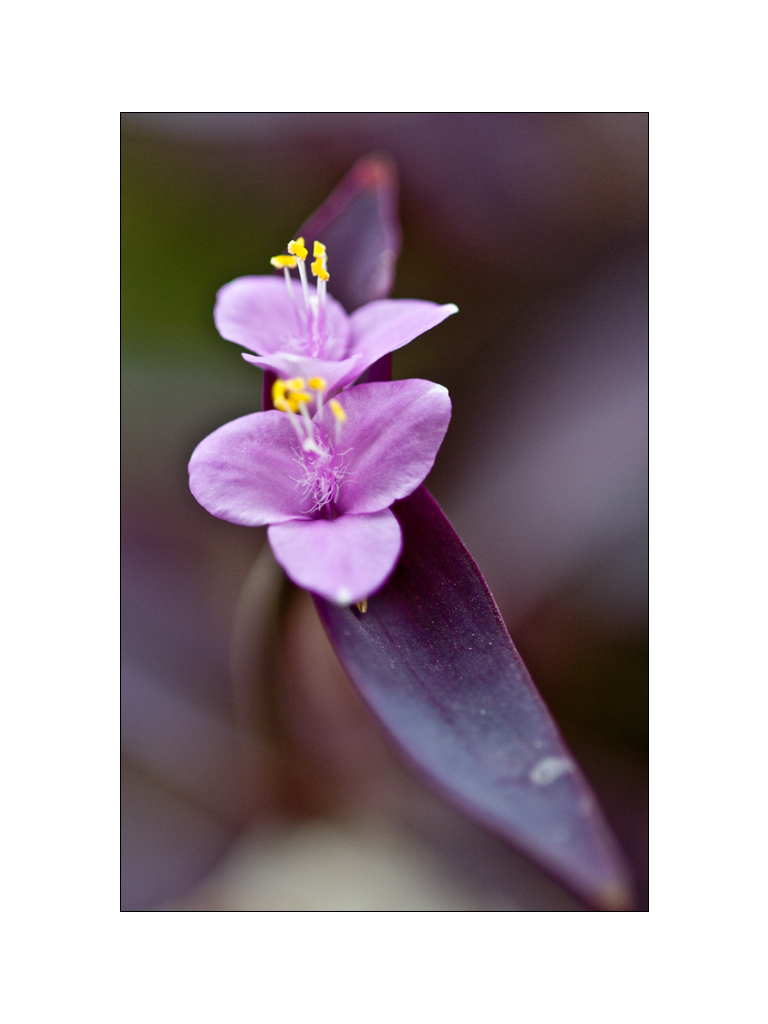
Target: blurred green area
194, 218
187, 229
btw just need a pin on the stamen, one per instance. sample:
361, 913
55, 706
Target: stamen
308, 425
296, 248
309, 444
320, 270
321, 474
340, 416
362, 606
287, 263
318, 384
288, 395
298, 399
285, 406
337, 411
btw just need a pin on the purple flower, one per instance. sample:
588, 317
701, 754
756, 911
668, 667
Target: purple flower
299, 330
324, 482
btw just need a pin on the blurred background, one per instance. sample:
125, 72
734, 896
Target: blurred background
253, 778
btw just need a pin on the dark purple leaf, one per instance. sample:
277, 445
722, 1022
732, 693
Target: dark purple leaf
380, 370
266, 390
435, 663
359, 225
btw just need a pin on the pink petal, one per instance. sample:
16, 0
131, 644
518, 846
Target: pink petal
391, 436
337, 374
243, 472
388, 324
258, 312
344, 559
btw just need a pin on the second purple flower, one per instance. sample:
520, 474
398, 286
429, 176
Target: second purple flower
302, 331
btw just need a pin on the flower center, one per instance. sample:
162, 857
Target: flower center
312, 318
321, 471
322, 466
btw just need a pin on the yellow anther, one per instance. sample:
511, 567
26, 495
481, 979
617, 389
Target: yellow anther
283, 261
317, 383
318, 267
297, 248
289, 395
296, 398
318, 271
337, 411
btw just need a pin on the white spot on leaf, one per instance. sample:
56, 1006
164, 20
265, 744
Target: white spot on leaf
548, 769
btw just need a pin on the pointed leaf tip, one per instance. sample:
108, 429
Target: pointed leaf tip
434, 662
359, 225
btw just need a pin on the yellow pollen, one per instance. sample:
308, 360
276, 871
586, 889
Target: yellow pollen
318, 249
288, 395
283, 261
337, 411
297, 248
362, 606
317, 383
296, 398
318, 271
